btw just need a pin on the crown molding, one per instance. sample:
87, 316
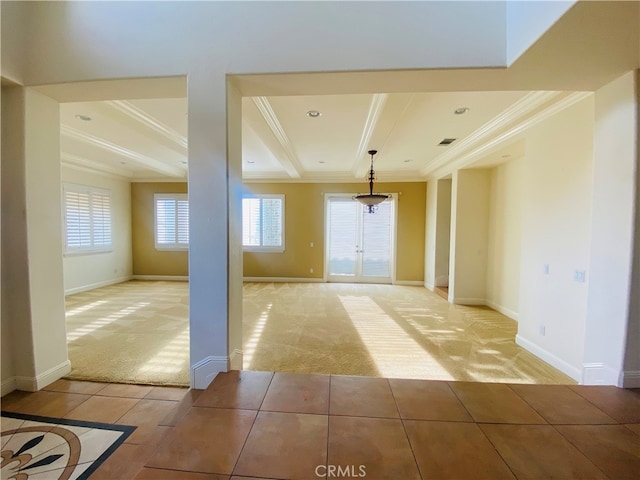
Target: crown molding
143, 117
387, 177
98, 168
525, 105
465, 159
110, 147
375, 110
158, 180
291, 164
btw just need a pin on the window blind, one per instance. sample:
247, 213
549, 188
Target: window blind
263, 222
172, 221
87, 219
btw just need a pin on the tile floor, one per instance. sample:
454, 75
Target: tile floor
260, 425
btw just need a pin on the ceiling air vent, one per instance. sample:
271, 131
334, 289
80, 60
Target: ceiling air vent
447, 141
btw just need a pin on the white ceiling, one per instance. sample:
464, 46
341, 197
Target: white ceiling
147, 139
588, 47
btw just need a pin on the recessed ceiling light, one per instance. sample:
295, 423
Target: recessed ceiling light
251, 161
85, 118
123, 163
320, 161
408, 160
461, 110
184, 162
506, 155
313, 114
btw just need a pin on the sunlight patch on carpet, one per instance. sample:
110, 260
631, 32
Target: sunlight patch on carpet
394, 352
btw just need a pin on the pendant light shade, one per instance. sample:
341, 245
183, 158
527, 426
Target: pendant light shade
371, 200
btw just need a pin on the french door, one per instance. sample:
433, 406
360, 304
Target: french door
360, 245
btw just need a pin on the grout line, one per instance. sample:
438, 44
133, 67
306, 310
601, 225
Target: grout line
497, 451
577, 392
326, 460
453, 390
244, 444
579, 450
529, 405
404, 428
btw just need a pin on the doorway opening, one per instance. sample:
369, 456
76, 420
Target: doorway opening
360, 245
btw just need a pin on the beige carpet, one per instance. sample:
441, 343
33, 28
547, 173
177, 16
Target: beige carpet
132, 332
137, 332
382, 331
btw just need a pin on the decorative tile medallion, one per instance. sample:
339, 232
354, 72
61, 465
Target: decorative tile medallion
39, 448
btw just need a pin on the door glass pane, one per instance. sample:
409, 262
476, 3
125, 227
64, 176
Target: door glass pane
343, 234
376, 241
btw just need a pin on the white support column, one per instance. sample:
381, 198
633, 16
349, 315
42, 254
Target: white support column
611, 350
212, 261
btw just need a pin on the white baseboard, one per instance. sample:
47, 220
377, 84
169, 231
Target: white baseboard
598, 374
8, 386
168, 278
283, 280
235, 359
629, 379
53, 374
503, 310
92, 286
26, 384
33, 384
429, 286
410, 283
203, 372
549, 357
467, 301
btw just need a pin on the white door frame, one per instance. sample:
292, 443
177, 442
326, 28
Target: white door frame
392, 248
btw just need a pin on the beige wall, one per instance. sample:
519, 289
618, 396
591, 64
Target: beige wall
469, 236
443, 234
304, 224
505, 232
146, 259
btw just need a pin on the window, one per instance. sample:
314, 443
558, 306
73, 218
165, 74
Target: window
172, 221
87, 219
263, 223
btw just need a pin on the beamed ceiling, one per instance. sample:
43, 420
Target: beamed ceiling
402, 114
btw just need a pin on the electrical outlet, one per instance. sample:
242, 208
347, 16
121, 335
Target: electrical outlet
543, 330
311, 270
545, 269
580, 276
311, 244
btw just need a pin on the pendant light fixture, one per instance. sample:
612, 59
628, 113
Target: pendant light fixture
371, 200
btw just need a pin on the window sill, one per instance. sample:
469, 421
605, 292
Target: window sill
76, 253
263, 249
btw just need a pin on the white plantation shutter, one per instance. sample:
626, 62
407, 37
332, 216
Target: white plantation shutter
101, 218
343, 236
172, 221
251, 222
376, 239
263, 223
87, 218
